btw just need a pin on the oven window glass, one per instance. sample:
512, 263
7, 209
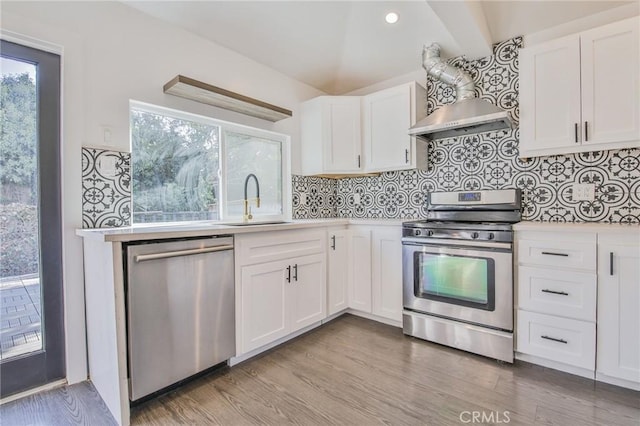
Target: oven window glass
460, 280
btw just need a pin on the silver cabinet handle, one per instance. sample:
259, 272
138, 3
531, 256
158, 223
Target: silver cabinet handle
406, 156
358, 161
333, 242
562, 293
554, 339
295, 272
549, 253
167, 254
289, 273
575, 131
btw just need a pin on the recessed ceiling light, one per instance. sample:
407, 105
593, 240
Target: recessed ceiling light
391, 18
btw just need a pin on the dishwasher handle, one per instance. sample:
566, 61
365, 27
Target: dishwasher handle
176, 253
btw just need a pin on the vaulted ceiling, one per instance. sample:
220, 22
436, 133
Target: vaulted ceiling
339, 46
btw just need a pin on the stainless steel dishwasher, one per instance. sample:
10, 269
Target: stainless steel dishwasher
180, 310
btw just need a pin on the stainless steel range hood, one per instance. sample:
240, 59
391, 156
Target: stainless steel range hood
468, 115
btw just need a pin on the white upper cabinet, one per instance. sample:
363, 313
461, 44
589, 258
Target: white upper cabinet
330, 132
581, 93
550, 95
386, 118
354, 135
610, 62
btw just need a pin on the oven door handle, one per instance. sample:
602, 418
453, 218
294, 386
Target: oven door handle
442, 242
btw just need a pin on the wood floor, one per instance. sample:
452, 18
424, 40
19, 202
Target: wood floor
354, 371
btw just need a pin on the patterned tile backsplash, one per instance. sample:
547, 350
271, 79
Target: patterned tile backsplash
487, 161
106, 188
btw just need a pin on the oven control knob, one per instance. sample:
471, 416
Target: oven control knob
429, 233
491, 236
475, 235
417, 232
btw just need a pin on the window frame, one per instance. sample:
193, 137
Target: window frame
224, 126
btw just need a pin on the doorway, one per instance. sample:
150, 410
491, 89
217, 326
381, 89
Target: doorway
31, 305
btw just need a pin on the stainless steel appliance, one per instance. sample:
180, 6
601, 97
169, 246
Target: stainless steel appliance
458, 271
180, 310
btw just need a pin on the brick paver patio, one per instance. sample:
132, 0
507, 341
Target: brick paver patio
20, 320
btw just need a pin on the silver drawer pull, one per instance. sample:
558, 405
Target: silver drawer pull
562, 293
167, 254
555, 254
554, 339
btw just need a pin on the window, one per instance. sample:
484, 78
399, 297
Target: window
187, 167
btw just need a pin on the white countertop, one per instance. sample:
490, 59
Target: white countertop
196, 229
576, 227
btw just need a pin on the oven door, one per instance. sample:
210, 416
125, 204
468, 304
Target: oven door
471, 283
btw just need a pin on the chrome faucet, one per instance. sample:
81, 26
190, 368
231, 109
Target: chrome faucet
247, 209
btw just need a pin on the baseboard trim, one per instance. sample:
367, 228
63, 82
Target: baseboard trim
578, 371
373, 317
245, 356
43, 388
617, 382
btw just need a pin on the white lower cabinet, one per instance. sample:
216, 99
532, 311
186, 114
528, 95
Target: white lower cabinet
263, 304
338, 270
576, 314
386, 277
307, 291
619, 309
278, 293
281, 297
556, 290
558, 339
360, 268
375, 270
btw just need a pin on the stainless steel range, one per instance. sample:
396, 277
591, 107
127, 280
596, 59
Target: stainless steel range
458, 271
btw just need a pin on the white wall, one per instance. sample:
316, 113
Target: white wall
111, 54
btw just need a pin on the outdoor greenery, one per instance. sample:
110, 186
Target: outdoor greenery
18, 145
174, 165
18, 240
18, 176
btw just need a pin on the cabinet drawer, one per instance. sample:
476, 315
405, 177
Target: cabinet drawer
269, 246
558, 339
557, 292
579, 254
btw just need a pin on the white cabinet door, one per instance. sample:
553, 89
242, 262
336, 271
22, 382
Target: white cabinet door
611, 83
330, 135
360, 268
343, 145
338, 267
264, 315
308, 289
582, 92
387, 116
550, 95
387, 272
619, 309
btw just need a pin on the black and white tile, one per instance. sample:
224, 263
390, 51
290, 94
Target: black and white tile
106, 198
319, 194
490, 161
